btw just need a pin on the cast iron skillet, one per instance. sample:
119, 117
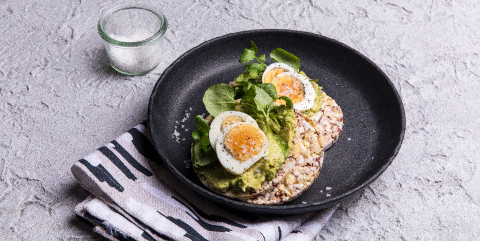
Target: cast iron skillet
374, 118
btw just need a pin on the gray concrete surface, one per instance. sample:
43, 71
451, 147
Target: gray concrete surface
59, 100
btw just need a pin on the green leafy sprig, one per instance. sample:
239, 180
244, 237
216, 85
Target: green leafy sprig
253, 71
258, 102
201, 133
219, 98
257, 99
203, 153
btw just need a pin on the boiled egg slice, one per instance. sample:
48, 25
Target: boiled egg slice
225, 119
296, 87
240, 145
275, 69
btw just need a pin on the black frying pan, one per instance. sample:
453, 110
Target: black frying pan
374, 118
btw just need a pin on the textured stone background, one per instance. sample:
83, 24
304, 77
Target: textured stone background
59, 100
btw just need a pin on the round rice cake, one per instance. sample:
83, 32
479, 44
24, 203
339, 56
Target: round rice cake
302, 167
329, 121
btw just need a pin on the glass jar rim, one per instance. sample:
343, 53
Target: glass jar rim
106, 14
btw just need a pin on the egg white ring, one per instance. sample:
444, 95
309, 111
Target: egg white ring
309, 91
277, 65
217, 123
224, 156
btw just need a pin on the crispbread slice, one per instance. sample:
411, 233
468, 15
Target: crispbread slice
329, 121
302, 167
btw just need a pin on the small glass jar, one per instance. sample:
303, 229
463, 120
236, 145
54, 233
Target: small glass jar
133, 37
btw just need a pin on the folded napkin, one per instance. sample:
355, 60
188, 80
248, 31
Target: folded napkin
134, 197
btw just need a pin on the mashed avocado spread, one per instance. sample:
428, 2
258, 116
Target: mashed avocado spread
318, 101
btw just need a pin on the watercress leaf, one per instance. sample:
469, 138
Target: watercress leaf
201, 123
197, 135
205, 141
242, 77
247, 56
253, 74
201, 134
203, 158
263, 98
248, 96
256, 99
219, 98
248, 101
270, 89
270, 107
254, 47
262, 58
288, 101
239, 92
256, 66
282, 56
241, 88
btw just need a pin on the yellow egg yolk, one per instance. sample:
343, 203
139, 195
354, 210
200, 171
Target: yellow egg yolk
244, 141
230, 121
270, 75
289, 86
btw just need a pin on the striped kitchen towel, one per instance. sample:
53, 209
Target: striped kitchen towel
134, 197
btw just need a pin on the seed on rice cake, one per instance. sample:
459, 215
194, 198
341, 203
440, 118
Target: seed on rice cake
302, 167
329, 121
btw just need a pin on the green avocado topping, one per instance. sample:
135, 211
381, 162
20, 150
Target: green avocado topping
317, 105
263, 170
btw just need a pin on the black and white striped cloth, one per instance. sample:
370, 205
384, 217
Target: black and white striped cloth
134, 197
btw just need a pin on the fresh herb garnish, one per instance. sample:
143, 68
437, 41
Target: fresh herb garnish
257, 99
254, 71
270, 89
282, 56
203, 152
201, 133
258, 102
219, 98
250, 54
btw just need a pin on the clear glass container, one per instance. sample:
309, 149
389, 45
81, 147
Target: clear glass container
133, 37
